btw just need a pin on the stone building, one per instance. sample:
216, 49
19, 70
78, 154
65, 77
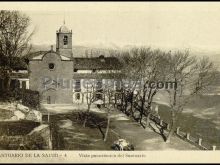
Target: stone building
61, 78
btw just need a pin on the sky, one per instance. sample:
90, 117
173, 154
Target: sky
161, 24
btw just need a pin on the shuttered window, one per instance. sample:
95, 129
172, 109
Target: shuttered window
77, 86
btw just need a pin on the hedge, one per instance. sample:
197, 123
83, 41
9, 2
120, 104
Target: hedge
30, 98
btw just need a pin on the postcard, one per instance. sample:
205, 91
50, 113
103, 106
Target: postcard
109, 82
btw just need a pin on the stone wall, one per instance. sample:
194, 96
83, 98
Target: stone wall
44, 132
47, 81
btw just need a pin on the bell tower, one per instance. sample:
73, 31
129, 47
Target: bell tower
64, 41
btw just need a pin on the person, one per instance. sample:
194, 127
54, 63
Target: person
120, 141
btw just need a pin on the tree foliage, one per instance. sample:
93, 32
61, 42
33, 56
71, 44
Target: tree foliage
191, 75
14, 41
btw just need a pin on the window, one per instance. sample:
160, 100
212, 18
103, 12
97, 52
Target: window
102, 58
23, 84
77, 96
48, 100
99, 96
98, 85
65, 40
51, 66
77, 86
118, 85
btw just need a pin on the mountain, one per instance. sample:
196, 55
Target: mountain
79, 50
213, 55
89, 49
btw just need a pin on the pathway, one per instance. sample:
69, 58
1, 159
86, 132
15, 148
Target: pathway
143, 139
146, 139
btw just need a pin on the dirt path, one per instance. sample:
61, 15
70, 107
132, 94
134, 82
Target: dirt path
121, 127
146, 139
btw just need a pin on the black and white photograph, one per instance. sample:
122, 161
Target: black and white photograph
116, 77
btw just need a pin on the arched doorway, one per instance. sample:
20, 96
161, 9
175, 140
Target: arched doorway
77, 97
49, 96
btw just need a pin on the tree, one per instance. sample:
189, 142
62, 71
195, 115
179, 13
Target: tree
108, 109
131, 70
192, 76
110, 94
91, 97
110, 90
14, 41
153, 72
145, 66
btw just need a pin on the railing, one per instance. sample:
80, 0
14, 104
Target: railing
198, 142
183, 135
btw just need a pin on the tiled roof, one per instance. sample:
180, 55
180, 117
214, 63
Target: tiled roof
40, 55
96, 63
99, 76
64, 29
86, 63
34, 54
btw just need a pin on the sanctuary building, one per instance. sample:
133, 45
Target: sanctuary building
63, 78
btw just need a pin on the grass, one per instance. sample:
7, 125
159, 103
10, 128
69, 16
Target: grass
13, 128
199, 127
69, 134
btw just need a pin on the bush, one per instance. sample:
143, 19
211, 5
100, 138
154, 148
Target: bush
93, 119
31, 98
12, 128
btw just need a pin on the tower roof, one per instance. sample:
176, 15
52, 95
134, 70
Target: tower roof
64, 29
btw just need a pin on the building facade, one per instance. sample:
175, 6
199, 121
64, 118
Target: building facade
62, 78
